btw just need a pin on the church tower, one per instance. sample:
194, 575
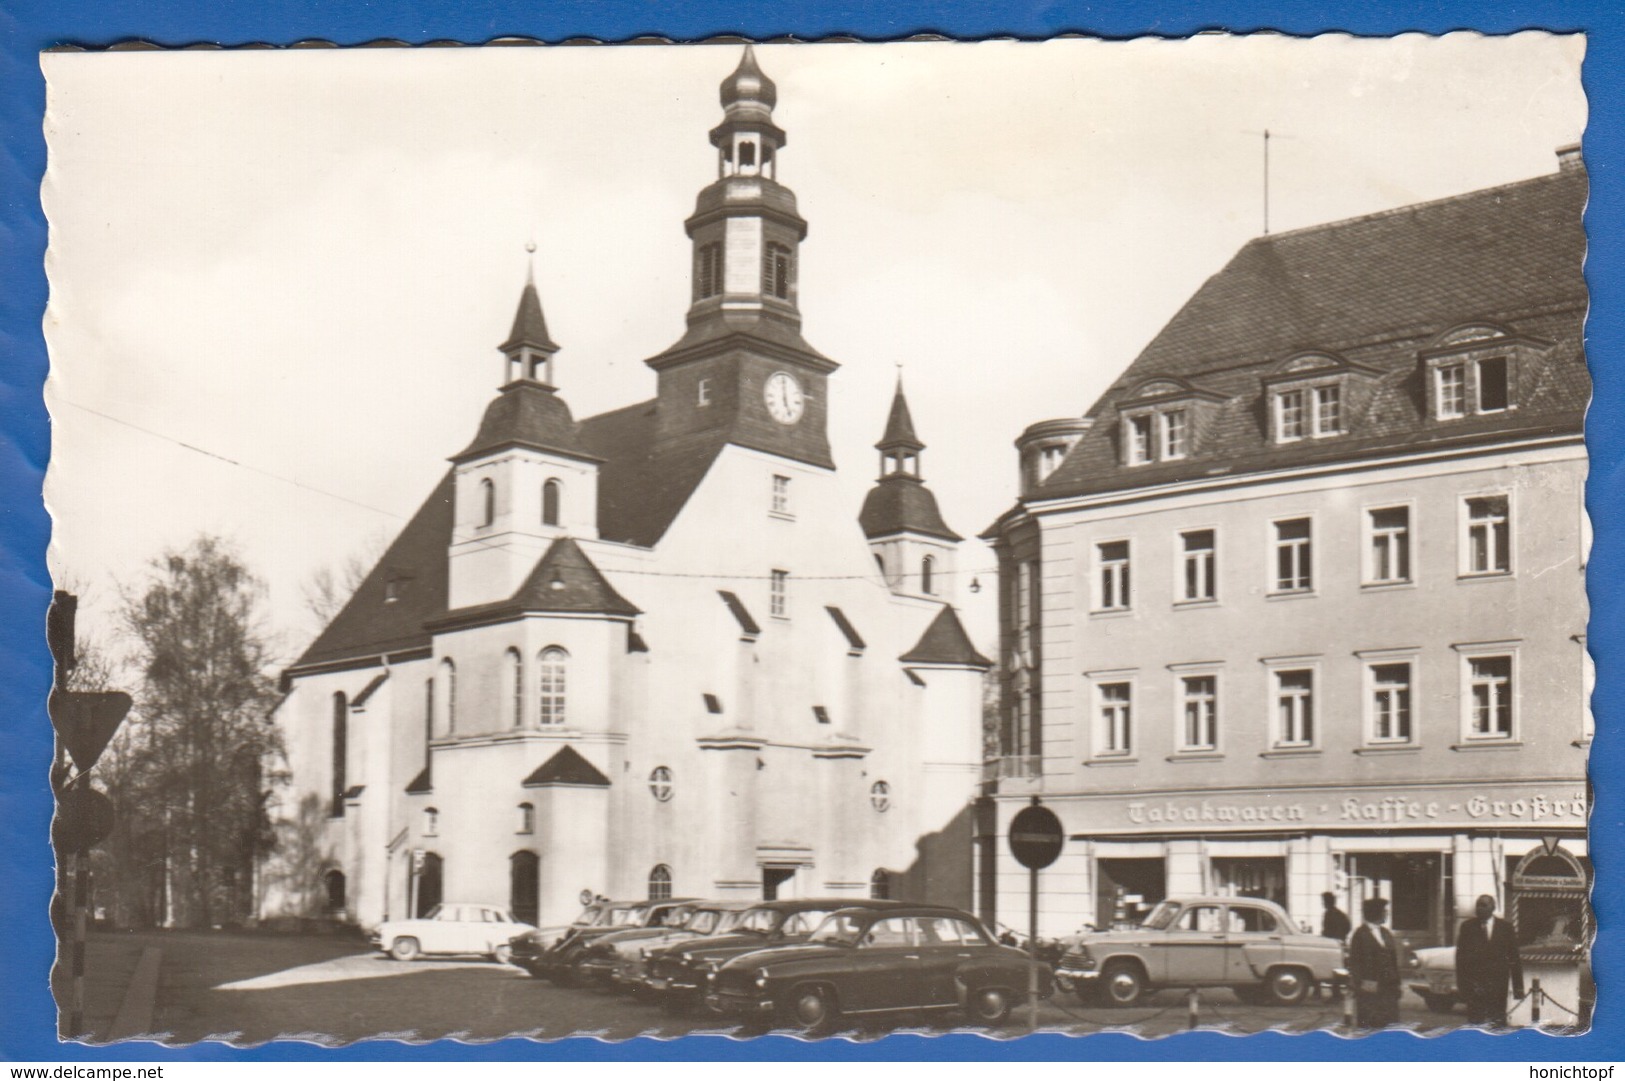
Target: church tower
526, 479
913, 546
742, 372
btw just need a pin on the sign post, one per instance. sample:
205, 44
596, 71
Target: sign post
1036, 839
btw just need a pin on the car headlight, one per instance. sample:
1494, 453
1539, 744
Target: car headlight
643, 954
761, 978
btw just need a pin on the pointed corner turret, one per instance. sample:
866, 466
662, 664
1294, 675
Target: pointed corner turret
912, 544
528, 353
899, 433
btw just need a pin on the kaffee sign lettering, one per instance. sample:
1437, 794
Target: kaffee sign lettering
1450, 806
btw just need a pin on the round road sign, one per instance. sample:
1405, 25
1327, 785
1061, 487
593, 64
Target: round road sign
1036, 837
84, 818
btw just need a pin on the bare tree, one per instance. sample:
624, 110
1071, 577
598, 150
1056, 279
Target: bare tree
329, 588
198, 755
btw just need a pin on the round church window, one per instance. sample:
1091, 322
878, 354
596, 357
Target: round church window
660, 783
880, 796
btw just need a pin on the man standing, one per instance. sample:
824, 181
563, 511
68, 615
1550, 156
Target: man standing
1334, 922
1486, 960
1374, 968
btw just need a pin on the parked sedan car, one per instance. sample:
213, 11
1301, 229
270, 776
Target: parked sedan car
531, 951
451, 928
1248, 944
676, 973
629, 953
863, 961
1433, 978
562, 963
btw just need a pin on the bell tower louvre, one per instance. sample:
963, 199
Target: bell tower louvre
742, 371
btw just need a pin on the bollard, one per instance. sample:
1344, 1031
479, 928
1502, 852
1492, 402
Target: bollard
1192, 1009
1535, 995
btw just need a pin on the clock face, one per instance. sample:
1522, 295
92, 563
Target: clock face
783, 396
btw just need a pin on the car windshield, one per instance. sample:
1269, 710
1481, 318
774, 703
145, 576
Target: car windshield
704, 921
758, 921
731, 920
434, 913
804, 923
623, 917
680, 916
1161, 916
589, 916
837, 930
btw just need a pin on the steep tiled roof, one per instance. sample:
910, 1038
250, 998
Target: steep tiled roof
945, 642
899, 425
526, 414
639, 492
1375, 291
529, 326
567, 767
371, 623
564, 580
901, 503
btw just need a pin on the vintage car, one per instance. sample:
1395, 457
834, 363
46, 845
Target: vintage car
451, 929
626, 955
1433, 978
676, 973
863, 961
561, 964
530, 951
1248, 944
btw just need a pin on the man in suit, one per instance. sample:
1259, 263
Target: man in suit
1486, 961
1334, 923
1374, 963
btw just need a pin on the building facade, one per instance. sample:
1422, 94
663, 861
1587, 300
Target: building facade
652, 652
1299, 606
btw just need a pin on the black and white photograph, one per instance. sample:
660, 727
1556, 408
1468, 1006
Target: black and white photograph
821, 538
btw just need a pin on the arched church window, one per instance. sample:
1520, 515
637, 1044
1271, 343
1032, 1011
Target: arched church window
928, 566
341, 752
488, 502
552, 669
880, 885
550, 503
514, 677
431, 821
660, 883
527, 818
446, 686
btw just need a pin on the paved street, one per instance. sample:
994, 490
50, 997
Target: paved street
249, 988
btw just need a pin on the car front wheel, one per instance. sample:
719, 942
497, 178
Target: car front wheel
1288, 986
1123, 984
404, 949
990, 1005
811, 1010
502, 954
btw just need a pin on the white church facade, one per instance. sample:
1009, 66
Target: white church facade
654, 652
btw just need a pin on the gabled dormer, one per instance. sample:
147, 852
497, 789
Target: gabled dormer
1164, 419
525, 479
1312, 394
1477, 369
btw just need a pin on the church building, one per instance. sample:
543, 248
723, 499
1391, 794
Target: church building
654, 652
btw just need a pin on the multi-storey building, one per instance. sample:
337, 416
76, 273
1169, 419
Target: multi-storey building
1299, 605
654, 651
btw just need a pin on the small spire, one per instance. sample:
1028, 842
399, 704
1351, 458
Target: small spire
529, 325
899, 425
748, 83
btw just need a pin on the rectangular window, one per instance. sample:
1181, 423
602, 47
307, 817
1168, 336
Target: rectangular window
1328, 410
1293, 556
703, 392
1139, 440
1173, 434
1114, 575
1295, 708
1390, 703
1116, 719
778, 601
1488, 535
1490, 688
1198, 564
1289, 415
1450, 383
1492, 385
781, 495
1201, 729
1390, 544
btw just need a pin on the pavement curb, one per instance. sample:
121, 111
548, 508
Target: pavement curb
135, 1012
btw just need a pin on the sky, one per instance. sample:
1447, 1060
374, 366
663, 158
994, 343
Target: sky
278, 278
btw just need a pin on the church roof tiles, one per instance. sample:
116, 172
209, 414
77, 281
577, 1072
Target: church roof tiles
945, 642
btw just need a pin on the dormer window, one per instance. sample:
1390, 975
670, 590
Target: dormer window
1162, 420
1308, 413
1473, 370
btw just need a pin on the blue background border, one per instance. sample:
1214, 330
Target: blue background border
27, 1014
